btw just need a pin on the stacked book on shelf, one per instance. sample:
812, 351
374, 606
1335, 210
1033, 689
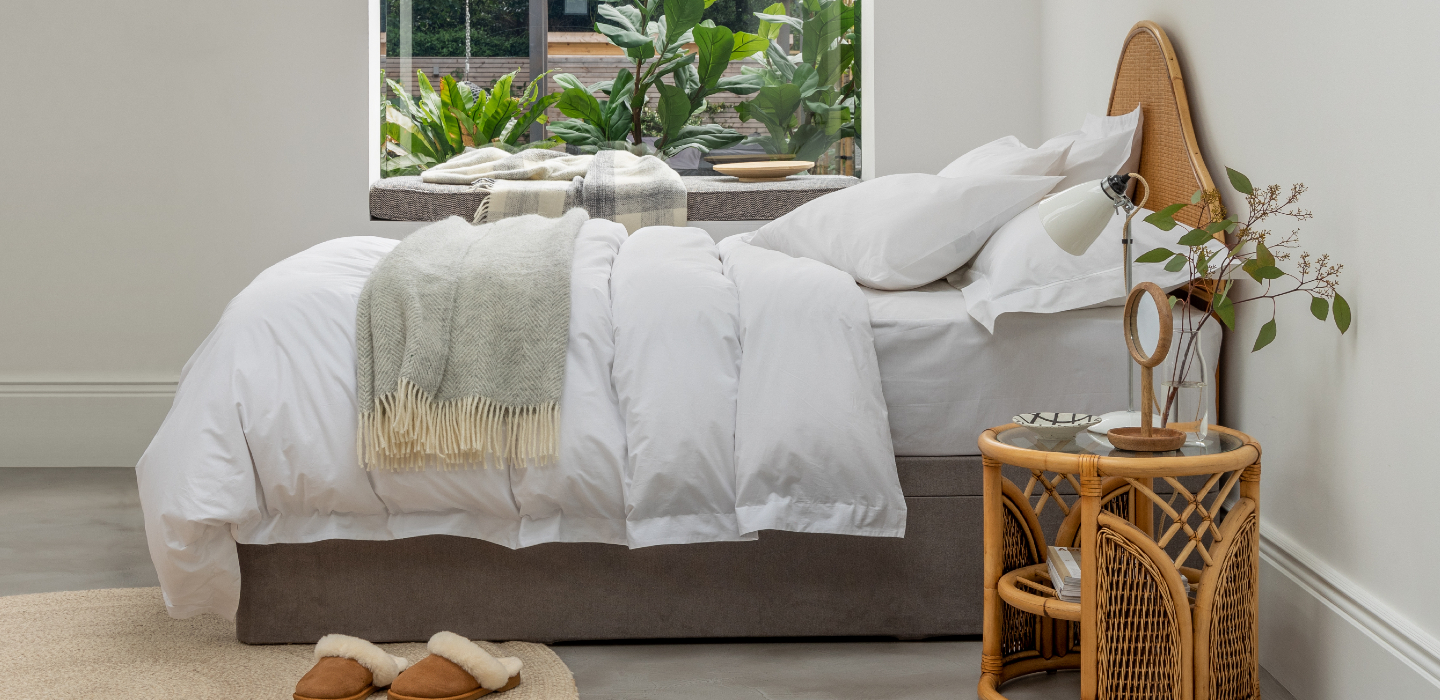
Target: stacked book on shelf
1065, 572
1064, 565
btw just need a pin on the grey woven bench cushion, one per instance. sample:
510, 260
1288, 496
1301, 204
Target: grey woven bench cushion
409, 199
715, 198
721, 198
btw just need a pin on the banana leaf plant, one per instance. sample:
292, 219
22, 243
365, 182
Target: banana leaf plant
802, 105
420, 133
654, 35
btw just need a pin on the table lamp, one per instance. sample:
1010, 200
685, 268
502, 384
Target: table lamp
1074, 219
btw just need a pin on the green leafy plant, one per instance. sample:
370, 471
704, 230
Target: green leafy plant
1256, 253
802, 104
651, 125
655, 34
439, 124
595, 123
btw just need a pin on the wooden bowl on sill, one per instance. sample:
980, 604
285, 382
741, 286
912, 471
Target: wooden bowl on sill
728, 158
765, 171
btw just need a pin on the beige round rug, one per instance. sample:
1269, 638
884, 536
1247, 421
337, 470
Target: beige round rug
119, 643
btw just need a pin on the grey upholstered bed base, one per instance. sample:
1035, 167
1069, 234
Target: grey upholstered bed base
783, 585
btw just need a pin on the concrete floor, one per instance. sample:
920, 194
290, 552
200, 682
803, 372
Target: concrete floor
81, 528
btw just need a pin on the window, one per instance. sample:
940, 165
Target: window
736, 79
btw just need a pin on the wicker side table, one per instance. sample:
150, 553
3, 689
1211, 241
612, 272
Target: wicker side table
1149, 625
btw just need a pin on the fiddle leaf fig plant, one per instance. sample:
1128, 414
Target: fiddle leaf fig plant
1256, 253
799, 104
655, 35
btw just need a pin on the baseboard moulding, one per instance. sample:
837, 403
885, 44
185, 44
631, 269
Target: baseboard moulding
89, 423
1382, 625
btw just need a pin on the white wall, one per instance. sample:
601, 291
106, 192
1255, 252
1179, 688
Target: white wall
969, 70
1339, 95
160, 154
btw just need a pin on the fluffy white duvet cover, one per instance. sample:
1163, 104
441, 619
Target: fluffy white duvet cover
710, 392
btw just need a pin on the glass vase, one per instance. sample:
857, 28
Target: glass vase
1184, 399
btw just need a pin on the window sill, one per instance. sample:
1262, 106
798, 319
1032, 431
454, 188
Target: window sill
711, 198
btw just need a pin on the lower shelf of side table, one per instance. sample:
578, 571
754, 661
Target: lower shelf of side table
1019, 595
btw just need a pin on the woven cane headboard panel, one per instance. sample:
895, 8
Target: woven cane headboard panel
1170, 160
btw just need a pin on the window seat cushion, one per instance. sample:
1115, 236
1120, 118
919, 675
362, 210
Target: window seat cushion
711, 198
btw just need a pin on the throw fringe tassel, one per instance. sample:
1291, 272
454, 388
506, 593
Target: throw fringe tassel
405, 430
487, 186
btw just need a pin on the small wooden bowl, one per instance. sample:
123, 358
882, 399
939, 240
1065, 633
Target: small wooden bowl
1159, 440
767, 171
731, 158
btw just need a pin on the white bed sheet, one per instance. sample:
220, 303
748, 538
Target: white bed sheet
946, 378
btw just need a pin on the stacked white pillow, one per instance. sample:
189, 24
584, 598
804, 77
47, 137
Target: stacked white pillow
906, 231
903, 231
1021, 270
1103, 146
1007, 156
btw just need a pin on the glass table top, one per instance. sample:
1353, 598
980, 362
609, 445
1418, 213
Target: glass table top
1086, 442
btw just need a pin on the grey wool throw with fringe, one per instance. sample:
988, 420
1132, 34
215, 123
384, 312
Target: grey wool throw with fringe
461, 335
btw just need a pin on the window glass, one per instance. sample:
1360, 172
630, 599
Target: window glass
737, 80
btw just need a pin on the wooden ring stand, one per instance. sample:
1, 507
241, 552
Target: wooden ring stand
1147, 438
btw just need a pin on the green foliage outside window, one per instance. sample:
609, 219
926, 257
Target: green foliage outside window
497, 27
809, 101
502, 27
655, 36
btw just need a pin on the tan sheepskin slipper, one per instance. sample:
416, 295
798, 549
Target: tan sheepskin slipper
456, 669
348, 668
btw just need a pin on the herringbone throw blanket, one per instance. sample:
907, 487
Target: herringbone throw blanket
461, 335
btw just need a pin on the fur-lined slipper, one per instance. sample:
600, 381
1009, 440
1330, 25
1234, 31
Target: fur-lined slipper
348, 668
456, 669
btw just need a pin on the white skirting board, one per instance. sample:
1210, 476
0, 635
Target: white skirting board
1324, 638
80, 424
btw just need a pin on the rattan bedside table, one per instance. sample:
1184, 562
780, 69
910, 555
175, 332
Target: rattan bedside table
1136, 633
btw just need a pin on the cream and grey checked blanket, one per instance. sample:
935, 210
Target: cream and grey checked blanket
461, 334
634, 191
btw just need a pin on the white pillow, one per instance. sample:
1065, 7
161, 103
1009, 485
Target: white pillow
902, 231
1022, 270
1103, 146
1008, 156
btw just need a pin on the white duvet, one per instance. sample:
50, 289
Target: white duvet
710, 392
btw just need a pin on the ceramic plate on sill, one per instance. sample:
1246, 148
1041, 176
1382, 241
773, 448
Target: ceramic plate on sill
765, 171
1055, 426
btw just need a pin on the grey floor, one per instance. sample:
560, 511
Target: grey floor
75, 529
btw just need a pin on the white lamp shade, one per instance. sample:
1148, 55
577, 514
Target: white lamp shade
1074, 218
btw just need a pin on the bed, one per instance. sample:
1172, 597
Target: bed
944, 379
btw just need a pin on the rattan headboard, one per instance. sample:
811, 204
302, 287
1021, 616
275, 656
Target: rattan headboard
1149, 75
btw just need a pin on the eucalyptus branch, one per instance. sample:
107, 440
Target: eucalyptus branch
1256, 253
